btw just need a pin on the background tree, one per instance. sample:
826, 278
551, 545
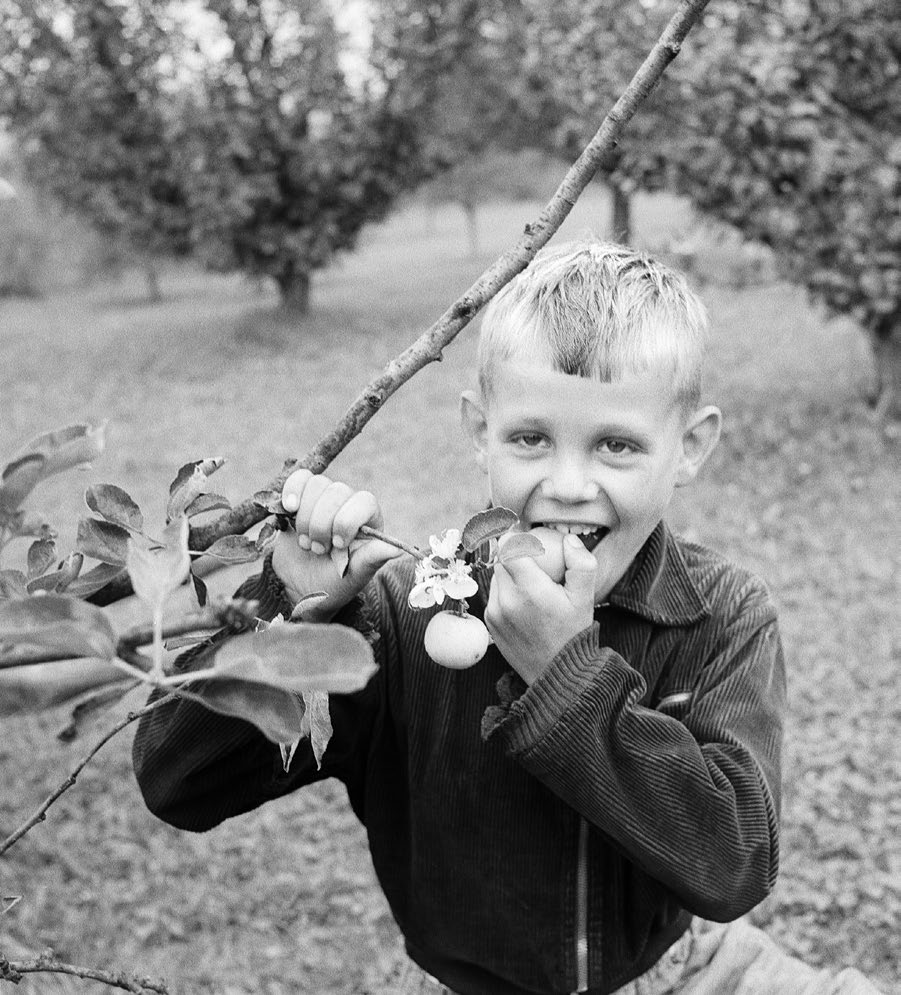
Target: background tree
86, 87
288, 162
798, 113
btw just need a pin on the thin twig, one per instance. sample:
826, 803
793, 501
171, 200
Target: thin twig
429, 346
40, 813
365, 530
14, 971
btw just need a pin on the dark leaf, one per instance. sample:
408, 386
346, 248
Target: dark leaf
234, 549
94, 580
487, 525
207, 502
115, 505
266, 536
199, 589
270, 500
189, 483
277, 714
40, 555
58, 622
102, 541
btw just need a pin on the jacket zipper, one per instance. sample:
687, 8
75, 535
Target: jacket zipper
582, 909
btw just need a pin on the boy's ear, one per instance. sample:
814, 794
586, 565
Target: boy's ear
699, 439
475, 425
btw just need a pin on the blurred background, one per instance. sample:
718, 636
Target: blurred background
219, 219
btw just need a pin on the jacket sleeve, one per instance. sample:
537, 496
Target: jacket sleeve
196, 767
693, 801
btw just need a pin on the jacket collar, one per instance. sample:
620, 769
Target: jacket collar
658, 585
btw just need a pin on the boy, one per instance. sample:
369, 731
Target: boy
569, 814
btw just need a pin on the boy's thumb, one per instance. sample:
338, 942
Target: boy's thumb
581, 568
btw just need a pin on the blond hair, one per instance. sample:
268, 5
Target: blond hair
598, 310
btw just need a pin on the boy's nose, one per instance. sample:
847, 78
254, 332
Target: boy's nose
568, 482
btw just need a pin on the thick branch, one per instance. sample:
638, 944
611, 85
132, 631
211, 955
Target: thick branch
15, 970
428, 347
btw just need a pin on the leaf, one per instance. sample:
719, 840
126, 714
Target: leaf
306, 602
115, 505
89, 704
155, 573
13, 584
271, 501
319, 720
520, 544
50, 453
199, 589
207, 502
189, 483
266, 536
58, 622
234, 549
40, 555
61, 578
261, 675
95, 580
486, 525
287, 751
102, 541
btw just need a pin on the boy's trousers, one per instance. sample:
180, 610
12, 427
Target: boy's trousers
708, 959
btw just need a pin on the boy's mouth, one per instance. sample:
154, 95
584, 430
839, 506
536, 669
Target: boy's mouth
590, 534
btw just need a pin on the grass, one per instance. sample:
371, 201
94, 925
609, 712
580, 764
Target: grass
803, 489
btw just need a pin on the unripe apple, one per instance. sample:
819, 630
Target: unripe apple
551, 560
456, 641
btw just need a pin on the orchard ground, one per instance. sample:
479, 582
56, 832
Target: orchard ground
804, 489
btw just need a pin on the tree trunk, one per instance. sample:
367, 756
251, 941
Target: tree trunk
152, 277
622, 214
886, 396
294, 288
470, 209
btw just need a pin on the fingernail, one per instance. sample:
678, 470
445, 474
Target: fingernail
290, 502
303, 541
338, 542
317, 548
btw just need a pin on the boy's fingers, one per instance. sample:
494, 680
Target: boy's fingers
316, 486
292, 489
322, 517
360, 508
581, 569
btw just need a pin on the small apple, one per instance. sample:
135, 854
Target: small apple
551, 560
456, 641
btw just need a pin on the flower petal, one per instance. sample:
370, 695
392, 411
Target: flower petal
460, 586
421, 596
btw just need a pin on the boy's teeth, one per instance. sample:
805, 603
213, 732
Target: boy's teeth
565, 527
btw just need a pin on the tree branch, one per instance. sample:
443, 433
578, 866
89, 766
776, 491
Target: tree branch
40, 813
14, 971
428, 347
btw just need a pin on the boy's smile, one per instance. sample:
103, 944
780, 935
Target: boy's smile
598, 459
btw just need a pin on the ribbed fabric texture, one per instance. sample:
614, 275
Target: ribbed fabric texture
472, 786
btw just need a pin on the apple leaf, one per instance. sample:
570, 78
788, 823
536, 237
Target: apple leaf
487, 525
261, 676
41, 554
155, 573
271, 501
50, 453
266, 536
94, 580
92, 702
207, 502
61, 578
58, 622
520, 544
189, 483
115, 505
319, 721
233, 549
102, 541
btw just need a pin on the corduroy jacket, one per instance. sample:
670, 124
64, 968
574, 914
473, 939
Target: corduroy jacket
536, 839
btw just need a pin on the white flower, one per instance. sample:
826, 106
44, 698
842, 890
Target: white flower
441, 575
447, 546
459, 583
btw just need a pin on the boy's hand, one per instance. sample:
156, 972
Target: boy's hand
530, 617
329, 514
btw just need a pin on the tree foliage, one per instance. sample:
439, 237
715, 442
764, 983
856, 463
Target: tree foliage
794, 140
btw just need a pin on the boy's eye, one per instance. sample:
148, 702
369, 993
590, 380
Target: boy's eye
616, 447
529, 440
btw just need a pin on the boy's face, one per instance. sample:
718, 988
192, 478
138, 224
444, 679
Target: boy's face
586, 456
